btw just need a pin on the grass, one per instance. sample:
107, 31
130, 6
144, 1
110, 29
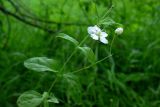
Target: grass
129, 78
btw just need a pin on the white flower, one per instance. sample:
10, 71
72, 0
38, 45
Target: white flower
96, 34
119, 31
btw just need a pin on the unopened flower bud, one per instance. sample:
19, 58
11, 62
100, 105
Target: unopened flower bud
119, 31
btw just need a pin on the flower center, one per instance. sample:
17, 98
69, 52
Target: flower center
98, 34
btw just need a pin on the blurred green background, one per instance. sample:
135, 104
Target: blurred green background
135, 61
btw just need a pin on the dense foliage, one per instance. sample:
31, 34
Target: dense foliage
41, 35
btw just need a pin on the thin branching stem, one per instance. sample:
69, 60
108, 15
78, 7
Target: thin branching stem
53, 83
108, 12
110, 50
68, 59
92, 64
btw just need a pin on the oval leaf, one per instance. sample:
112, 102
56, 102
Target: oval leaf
29, 99
88, 53
66, 37
41, 64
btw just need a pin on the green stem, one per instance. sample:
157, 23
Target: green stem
109, 10
92, 64
53, 83
68, 59
46, 103
73, 53
110, 51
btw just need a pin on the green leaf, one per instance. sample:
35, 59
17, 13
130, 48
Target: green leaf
69, 79
136, 77
29, 99
41, 64
66, 37
88, 53
49, 97
107, 21
53, 99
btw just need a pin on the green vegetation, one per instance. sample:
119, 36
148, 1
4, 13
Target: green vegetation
48, 59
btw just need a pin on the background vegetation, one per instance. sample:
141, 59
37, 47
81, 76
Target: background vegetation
129, 78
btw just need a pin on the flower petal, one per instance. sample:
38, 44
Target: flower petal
104, 34
91, 30
104, 40
97, 29
94, 36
